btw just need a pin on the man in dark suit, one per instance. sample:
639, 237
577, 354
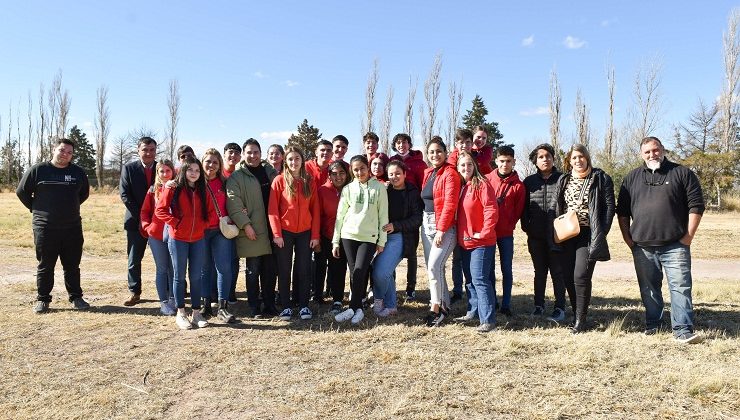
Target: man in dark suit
136, 178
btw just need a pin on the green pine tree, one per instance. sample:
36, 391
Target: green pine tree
477, 116
84, 152
306, 139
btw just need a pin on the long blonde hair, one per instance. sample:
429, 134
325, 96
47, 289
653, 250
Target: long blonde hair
158, 182
215, 152
302, 174
478, 177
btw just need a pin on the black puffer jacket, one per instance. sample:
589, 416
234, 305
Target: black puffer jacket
540, 194
410, 223
601, 208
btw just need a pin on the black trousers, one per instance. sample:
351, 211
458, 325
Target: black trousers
65, 244
334, 270
544, 260
359, 257
135, 247
261, 277
295, 244
412, 265
578, 271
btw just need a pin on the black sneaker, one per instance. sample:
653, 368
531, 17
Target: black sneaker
456, 297
225, 316
505, 311
689, 338
410, 295
41, 307
255, 312
538, 311
270, 312
80, 304
435, 319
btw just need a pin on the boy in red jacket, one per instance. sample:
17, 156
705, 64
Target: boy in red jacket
510, 198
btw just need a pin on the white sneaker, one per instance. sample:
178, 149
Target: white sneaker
166, 309
357, 317
182, 321
348, 314
199, 320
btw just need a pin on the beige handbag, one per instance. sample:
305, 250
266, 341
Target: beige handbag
225, 225
566, 225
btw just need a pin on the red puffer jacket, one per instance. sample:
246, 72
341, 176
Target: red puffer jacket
446, 191
416, 167
510, 199
150, 223
188, 225
477, 214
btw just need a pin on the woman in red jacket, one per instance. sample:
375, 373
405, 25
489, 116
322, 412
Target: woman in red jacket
377, 167
440, 193
476, 235
294, 218
187, 210
337, 267
154, 228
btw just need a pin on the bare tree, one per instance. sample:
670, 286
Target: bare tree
386, 122
102, 128
728, 102
700, 132
453, 115
9, 146
52, 114
409, 111
372, 83
556, 101
582, 120
431, 97
62, 104
424, 125
41, 127
173, 104
647, 102
609, 138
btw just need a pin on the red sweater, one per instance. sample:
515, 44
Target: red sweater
150, 223
329, 201
510, 198
477, 213
217, 186
319, 175
483, 158
416, 166
446, 191
297, 214
188, 225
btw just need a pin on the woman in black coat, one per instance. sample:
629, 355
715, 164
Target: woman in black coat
589, 192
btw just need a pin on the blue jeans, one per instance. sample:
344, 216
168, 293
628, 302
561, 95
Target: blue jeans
191, 255
675, 259
163, 272
506, 257
476, 266
216, 274
384, 270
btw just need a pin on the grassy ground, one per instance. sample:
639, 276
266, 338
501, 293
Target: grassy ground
117, 362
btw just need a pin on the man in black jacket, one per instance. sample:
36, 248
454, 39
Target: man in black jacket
53, 191
136, 178
540, 194
659, 209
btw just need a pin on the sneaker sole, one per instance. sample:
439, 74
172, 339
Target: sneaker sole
693, 340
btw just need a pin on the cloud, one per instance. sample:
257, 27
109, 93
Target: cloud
608, 22
528, 41
258, 74
532, 112
291, 83
573, 43
275, 136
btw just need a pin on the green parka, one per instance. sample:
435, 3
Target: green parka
245, 205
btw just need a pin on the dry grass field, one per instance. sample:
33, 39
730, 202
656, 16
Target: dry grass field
132, 363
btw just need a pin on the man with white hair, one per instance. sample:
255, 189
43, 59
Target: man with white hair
659, 209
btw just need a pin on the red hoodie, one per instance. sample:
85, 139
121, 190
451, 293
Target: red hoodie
446, 192
329, 202
510, 198
150, 223
477, 213
482, 157
188, 225
295, 214
416, 166
319, 175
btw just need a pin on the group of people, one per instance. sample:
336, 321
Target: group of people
304, 224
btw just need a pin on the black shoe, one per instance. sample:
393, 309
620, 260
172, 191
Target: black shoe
456, 297
223, 312
270, 312
410, 295
206, 310
505, 311
80, 304
579, 326
255, 312
41, 307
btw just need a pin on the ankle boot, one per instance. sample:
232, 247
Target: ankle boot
579, 325
223, 313
206, 310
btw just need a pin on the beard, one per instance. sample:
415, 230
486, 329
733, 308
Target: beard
653, 164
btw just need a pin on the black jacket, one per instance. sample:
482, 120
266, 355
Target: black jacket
539, 195
54, 194
410, 223
133, 188
600, 212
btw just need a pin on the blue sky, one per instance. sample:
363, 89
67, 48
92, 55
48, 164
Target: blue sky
257, 69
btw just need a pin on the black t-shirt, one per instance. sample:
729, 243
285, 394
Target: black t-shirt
427, 194
395, 204
261, 174
54, 195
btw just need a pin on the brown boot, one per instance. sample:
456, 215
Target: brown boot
133, 300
